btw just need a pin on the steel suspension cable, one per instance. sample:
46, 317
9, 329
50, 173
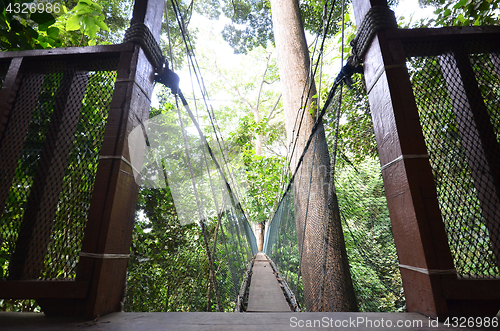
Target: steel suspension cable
337, 124
216, 129
169, 37
238, 213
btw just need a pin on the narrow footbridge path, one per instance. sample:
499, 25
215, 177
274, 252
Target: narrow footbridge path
265, 293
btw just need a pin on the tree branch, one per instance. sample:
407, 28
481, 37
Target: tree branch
262, 83
274, 108
248, 104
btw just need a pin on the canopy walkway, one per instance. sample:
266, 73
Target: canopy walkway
265, 294
77, 140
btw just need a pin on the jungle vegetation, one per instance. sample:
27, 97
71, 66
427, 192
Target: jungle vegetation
168, 268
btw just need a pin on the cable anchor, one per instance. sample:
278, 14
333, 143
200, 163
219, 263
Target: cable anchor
347, 71
168, 78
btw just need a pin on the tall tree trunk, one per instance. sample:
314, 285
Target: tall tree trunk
259, 231
319, 229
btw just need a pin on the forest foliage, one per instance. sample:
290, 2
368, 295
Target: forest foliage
168, 270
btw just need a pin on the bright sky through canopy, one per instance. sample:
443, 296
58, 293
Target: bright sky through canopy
407, 8
210, 40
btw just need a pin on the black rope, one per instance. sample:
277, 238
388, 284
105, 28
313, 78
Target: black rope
199, 78
342, 76
139, 33
376, 19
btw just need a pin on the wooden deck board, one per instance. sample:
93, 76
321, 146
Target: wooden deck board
220, 322
265, 293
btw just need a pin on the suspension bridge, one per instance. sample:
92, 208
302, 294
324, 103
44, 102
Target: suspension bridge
76, 140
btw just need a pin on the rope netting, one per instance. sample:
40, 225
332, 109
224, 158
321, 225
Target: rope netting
459, 114
362, 208
189, 172
50, 153
203, 213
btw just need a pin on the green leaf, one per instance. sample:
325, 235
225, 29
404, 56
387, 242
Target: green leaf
93, 31
24, 43
73, 23
82, 9
43, 27
81, 6
96, 7
484, 6
43, 41
88, 22
102, 25
16, 25
53, 32
460, 4
32, 32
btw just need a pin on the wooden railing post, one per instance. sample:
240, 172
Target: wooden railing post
115, 194
419, 233
106, 245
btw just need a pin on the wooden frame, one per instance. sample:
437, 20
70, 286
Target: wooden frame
71, 52
100, 279
427, 270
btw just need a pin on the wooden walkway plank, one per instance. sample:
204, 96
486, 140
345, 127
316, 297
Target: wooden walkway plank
265, 293
227, 322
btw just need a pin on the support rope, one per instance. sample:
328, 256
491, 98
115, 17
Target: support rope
139, 33
194, 63
376, 19
229, 206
